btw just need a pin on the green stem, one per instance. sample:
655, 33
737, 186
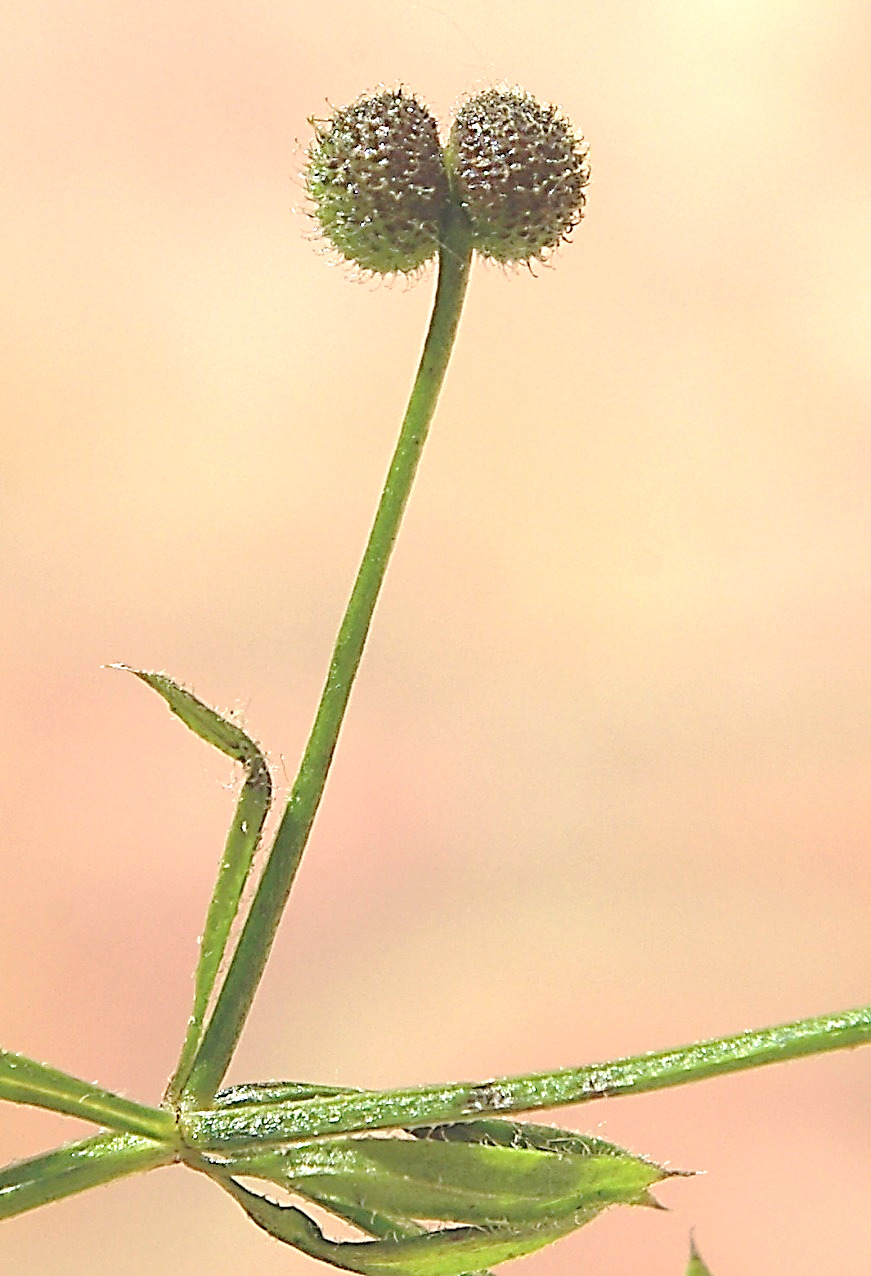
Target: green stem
24, 1080
255, 942
227, 1132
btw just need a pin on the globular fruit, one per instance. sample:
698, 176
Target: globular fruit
377, 182
519, 171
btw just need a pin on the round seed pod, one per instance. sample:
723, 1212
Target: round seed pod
376, 178
519, 170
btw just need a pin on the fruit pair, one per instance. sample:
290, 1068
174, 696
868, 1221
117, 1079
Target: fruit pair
380, 180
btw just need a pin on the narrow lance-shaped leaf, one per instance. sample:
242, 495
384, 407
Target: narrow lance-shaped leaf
696, 1265
24, 1080
445, 1252
24, 1185
516, 1193
461, 1181
373, 1223
239, 850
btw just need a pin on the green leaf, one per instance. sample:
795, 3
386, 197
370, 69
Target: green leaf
382, 1226
696, 1266
459, 1182
24, 1080
24, 1185
239, 850
518, 1134
445, 1252
204, 721
516, 1188
276, 1092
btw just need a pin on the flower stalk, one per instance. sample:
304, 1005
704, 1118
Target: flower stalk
255, 942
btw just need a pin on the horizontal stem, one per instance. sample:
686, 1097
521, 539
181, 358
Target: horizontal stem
258, 1125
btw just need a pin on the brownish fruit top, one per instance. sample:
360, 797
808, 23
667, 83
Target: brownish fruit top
519, 171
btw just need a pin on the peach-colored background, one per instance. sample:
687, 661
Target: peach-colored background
604, 786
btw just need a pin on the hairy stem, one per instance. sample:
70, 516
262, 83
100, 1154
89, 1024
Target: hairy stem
255, 942
227, 1131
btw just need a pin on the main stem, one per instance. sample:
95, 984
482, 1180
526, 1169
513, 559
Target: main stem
227, 1131
255, 942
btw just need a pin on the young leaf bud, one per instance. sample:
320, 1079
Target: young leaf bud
377, 180
519, 171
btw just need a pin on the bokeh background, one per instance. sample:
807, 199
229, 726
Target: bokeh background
604, 786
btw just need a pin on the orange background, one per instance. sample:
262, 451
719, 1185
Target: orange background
604, 783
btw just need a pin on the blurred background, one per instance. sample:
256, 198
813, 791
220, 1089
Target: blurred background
604, 782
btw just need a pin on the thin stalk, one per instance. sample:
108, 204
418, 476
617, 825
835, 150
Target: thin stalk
255, 942
228, 1132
